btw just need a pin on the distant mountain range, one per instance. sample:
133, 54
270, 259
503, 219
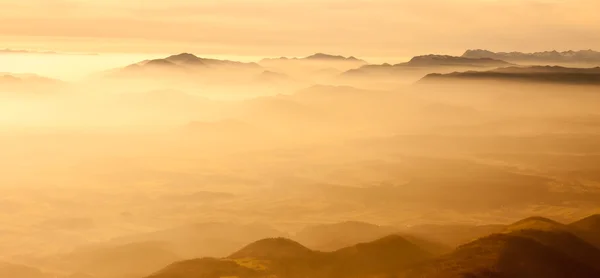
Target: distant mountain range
582, 56
327, 68
185, 62
426, 64
540, 74
317, 57
21, 51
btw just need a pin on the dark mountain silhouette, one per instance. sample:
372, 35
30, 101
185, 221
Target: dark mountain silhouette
318, 57
184, 63
280, 257
323, 56
315, 68
207, 268
273, 248
421, 65
446, 60
387, 255
588, 229
582, 56
566, 243
453, 235
536, 74
503, 256
191, 60
536, 223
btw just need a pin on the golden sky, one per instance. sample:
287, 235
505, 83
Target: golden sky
293, 27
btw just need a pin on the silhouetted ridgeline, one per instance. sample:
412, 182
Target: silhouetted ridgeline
582, 56
533, 247
537, 74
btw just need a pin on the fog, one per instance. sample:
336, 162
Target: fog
124, 170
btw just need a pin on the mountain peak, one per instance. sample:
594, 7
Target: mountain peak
536, 223
570, 56
272, 248
323, 56
591, 222
185, 58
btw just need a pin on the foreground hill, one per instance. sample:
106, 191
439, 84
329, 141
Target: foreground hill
567, 243
535, 74
582, 56
536, 223
390, 254
280, 257
588, 229
504, 256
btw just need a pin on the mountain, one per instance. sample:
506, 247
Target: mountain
503, 256
387, 255
453, 235
536, 223
317, 57
10, 82
281, 257
582, 56
330, 237
273, 248
191, 60
535, 74
446, 60
588, 229
207, 268
182, 64
318, 67
214, 239
422, 65
566, 243
21, 51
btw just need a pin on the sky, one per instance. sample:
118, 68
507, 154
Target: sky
366, 28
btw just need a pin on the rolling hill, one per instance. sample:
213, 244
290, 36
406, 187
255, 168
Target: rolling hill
588, 229
503, 256
280, 257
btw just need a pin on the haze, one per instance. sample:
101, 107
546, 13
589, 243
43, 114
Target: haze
328, 139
